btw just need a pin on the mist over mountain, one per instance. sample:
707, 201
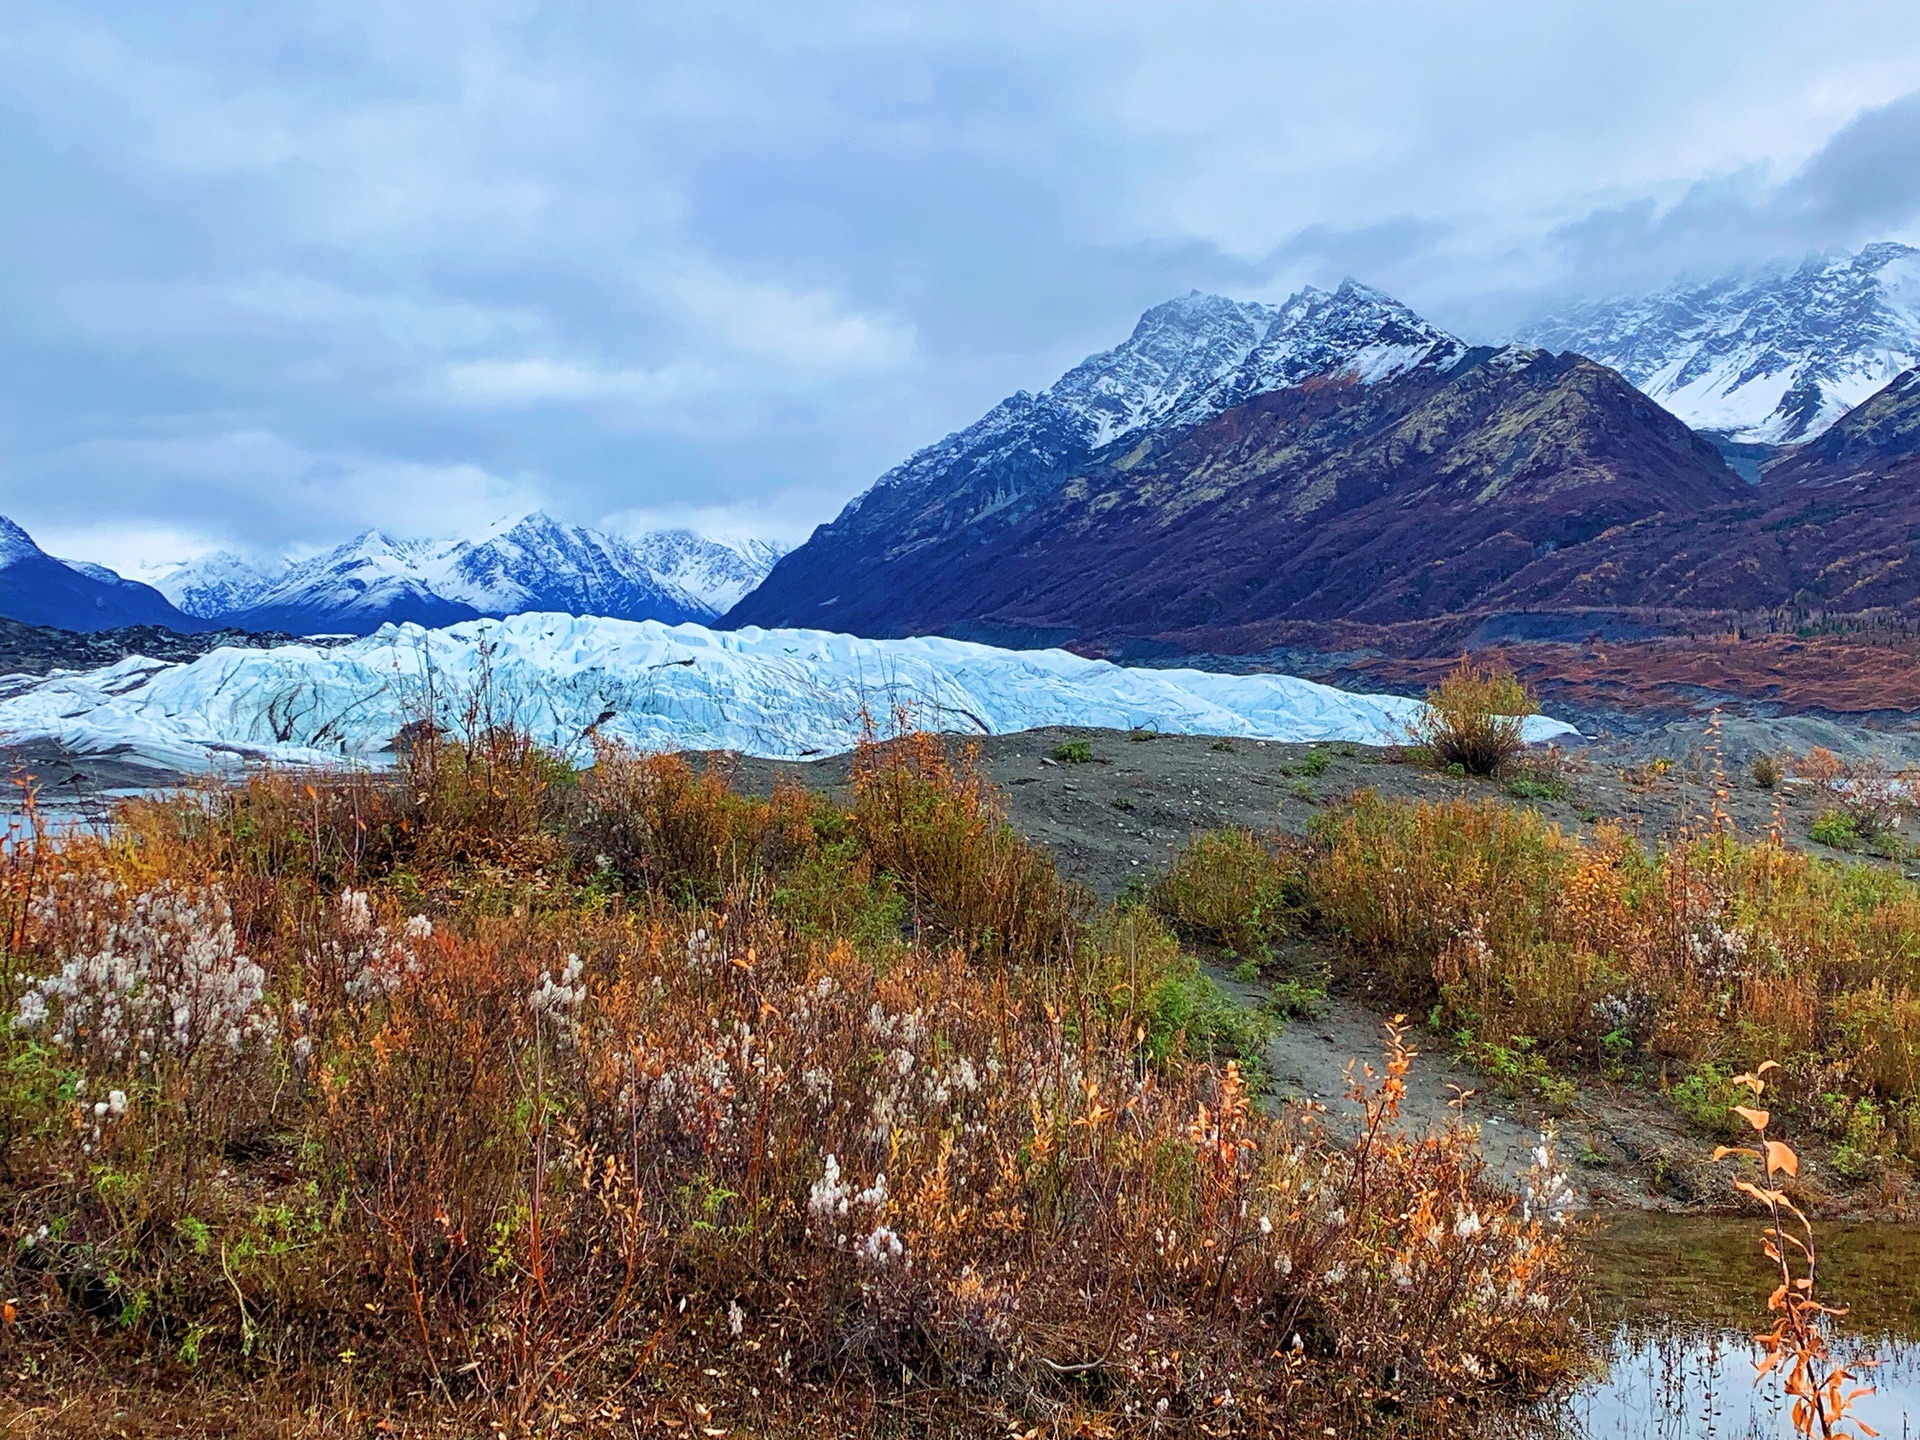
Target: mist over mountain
1772, 359
38, 589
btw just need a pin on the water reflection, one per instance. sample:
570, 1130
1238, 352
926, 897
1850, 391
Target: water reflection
1679, 1297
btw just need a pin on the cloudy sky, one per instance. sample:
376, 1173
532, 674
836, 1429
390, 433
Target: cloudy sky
270, 274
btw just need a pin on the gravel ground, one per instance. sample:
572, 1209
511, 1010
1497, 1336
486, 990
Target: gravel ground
1125, 812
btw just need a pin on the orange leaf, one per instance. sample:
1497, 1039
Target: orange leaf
1780, 1156
1756, 1118
1720, 1152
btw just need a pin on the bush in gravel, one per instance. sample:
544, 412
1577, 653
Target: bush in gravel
1313, 764
1836, 829
1234, 889
514, 1131
1474, 718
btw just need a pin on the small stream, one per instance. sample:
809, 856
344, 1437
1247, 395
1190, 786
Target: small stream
1680, 1295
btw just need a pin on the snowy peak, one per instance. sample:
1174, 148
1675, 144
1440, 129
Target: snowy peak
1191, 358
216, 584
1186, 361
15, 544
37, 589
538, 563
708, 575
1769, 359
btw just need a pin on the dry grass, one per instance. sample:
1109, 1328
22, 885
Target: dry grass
505, 1095
1709, 952
1233, 889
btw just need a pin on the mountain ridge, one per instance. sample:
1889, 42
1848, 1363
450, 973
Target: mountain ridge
537, 563
1233, 463
38, 589
1186, 361
1771, 358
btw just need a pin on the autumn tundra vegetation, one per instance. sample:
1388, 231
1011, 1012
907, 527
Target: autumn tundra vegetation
496, 1092
501, 1092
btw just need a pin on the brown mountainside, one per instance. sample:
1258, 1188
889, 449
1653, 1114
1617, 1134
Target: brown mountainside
1375, 502
1833, 525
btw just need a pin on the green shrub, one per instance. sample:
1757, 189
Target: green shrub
1889, 846
1314, 763
1293, 999
1837, 829
1185, 1013
1231, 888
1073, 752
1705, 1096
1528, 787
1518, 1069
1765, 772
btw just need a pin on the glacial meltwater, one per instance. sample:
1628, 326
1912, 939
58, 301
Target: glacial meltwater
1677, 1299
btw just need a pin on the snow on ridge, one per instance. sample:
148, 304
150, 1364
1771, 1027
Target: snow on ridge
1186, 361
1772, 358
217, 584
784, 694
532, 562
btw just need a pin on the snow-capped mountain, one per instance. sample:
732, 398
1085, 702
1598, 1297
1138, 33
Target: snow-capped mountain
708, 575
1771, 359
537, 563
1185, 362
38, 589
217, 584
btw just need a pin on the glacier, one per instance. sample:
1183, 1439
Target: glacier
782, 694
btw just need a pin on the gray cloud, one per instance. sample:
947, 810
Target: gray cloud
272, 273
1863, 184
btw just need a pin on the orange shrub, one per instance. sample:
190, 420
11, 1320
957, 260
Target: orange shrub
1710, 950
1475, 717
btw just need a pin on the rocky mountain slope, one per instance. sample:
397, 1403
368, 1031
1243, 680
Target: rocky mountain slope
1186, 361
1833, 525
37, 589
1349, 461
538, 563
1772, 359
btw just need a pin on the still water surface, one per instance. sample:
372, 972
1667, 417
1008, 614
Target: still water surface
1680, 1295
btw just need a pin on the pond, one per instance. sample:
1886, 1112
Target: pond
1679, 1297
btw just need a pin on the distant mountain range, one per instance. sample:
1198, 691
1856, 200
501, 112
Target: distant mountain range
37, 589
1233, 470
1771, 359
538, 563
